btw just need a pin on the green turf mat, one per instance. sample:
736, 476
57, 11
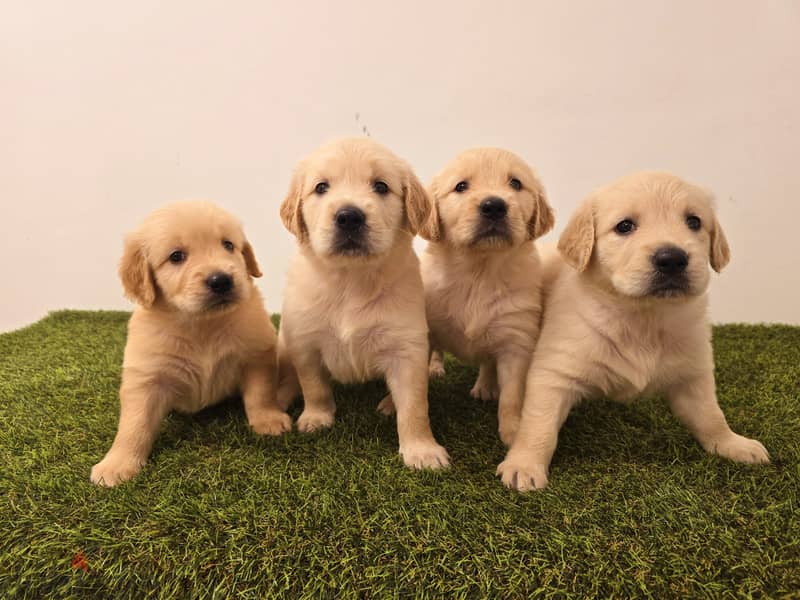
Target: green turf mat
635, 507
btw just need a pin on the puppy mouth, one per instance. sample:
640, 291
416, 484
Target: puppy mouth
350, 244
491, 233
669, 286
216, 302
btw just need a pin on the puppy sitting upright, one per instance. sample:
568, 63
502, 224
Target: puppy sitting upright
200, 331
482, 272
625, 314
354, 306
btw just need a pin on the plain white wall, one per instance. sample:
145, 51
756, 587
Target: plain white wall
108, 109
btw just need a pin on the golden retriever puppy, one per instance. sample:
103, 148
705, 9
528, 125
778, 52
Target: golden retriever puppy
481, 272
354, 307
199, 334
625, 315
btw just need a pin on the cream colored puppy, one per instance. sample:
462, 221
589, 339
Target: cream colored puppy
482, 272
354, 307
625, 315
199, 334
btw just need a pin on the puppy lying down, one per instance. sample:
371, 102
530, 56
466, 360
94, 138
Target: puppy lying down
482, 272
625, 315
199, 334
354, 307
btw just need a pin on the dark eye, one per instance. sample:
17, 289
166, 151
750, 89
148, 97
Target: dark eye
228, 245
461, 187
177, 257
625, 226
380, 188
693, 222
515, 183
321, 187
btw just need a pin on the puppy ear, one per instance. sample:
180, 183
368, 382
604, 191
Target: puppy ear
250, 260
431, 228
719, 252
134, 271
577, 240
291, 208
420, 209
542, 219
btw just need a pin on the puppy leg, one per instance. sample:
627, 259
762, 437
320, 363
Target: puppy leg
694, 403
407, 379
142, 408
260, 396
544, 411
485, 387
288, 384
436, 364
319, 409
511, 370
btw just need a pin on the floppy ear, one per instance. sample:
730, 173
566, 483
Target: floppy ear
719, 253
134, 271
250, 260
577, 240
291, 208
542, 219
431, 228
420, 208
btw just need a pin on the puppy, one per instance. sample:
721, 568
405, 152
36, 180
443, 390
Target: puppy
481, 272
199, 334
354, 307
625, 314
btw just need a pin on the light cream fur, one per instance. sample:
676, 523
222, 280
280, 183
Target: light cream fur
482, 296
357, 317
185, 352
604, 333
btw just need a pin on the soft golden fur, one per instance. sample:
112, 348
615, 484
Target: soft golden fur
614, 326
189, 347
353, 306
482, 274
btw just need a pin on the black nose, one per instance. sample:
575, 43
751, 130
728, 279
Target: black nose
670, 260
494, 208
349, 218
220, 283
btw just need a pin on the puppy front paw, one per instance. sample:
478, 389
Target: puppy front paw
425, 455
740, 449
310, 421
386, 406
436, 370
523, 476
271, 422
115, 469
483, 391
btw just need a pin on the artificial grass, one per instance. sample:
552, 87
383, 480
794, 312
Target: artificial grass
635, 507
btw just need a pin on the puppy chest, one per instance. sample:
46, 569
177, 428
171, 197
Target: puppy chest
209, 379
351, 355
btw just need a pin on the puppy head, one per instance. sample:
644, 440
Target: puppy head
488, 198
354, 199
192, 256
647, 235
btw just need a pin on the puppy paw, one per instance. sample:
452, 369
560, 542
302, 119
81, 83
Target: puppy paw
310, 421
521, 475
436, 369
425, 455
386, 406
482, 391
740, 449
508, 429
271, 422
115, 469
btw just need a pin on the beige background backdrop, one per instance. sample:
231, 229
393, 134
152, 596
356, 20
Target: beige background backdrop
108, 109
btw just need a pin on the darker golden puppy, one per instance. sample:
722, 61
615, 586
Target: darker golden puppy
200, 331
